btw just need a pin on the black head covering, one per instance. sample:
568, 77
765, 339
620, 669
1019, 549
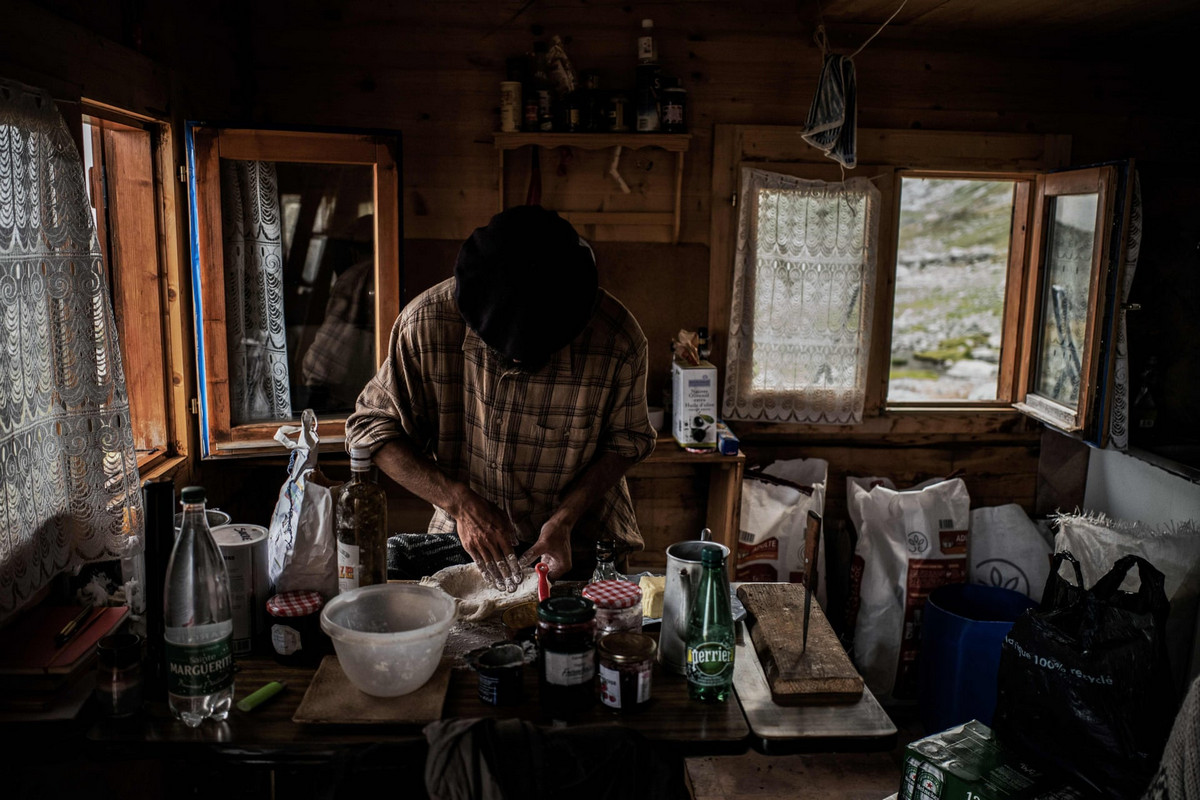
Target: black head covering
526, 283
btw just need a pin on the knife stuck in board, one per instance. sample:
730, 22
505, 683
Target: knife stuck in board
812, 543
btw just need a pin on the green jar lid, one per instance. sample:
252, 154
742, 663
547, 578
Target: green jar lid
192, 494
712, 557
566, 610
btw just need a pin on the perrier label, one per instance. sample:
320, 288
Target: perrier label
710, 664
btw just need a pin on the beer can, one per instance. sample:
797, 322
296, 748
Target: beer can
244, 549
510, 106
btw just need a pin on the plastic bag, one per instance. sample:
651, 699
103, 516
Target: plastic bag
1084, 682
1008, 550
1098, 541
909, 543
775, 506
301, 542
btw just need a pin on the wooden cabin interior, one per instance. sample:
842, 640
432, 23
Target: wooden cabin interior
962, 87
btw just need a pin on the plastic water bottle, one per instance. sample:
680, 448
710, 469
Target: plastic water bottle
198, 620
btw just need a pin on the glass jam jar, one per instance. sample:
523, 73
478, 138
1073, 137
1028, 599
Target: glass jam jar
626, 663
618, 606
567, 655
295, 626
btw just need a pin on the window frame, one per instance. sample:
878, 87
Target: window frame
207, 145
1011, 346
154, 335
904, 152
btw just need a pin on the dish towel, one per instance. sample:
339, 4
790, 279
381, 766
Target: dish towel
833, 115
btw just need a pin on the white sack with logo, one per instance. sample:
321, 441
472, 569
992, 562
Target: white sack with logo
773, 520
909, 543
1007, 549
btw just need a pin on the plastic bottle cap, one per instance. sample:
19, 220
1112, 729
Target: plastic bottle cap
192, 494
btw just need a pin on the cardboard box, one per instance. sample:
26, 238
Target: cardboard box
694, 405
968, 763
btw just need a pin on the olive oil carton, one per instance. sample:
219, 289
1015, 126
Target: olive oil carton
694, 409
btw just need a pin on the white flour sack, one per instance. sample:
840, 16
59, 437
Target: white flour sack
774, 516
909, 543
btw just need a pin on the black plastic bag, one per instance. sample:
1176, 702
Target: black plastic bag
1084, 682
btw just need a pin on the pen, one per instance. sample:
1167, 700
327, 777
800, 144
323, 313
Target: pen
69, 629
256, 699
99, 613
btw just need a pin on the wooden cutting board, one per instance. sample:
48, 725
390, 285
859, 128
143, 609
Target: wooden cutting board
332, 699
822, 673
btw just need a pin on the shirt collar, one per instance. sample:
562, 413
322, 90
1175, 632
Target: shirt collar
562, 361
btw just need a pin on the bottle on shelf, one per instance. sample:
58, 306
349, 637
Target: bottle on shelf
360, 522
702, 344
606, 561
541, 87
710, 635
198, 621
647, 50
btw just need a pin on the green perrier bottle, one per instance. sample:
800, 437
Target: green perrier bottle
710, 635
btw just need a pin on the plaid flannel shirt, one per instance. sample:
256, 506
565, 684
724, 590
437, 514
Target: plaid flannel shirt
517, 438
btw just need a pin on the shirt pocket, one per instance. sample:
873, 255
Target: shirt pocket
572, 430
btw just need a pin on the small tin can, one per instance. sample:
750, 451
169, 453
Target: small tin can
501, 673
618, 606
626, 667
244, 550
296, 634
510, 106
674, 104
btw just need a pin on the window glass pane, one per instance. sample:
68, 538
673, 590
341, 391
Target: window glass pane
1063, 337
300, 286
951, 271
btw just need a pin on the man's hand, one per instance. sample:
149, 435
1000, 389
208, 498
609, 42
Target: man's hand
553, 546
488, 536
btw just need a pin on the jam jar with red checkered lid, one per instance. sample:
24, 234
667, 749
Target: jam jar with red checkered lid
618, 606
295, 628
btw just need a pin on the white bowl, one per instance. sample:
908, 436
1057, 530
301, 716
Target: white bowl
390, 637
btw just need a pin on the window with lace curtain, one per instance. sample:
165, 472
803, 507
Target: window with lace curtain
803, 294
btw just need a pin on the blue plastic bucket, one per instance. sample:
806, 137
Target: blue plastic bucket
961, 633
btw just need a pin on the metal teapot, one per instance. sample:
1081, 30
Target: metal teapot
683, 575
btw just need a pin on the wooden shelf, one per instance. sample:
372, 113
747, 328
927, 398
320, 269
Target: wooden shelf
676, 143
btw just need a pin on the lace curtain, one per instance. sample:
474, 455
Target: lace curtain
1119, 421
67, 465
803, 292
259, 386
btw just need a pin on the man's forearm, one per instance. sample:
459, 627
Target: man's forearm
401, 461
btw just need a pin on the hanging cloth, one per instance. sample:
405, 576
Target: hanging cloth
833, 116
69, 487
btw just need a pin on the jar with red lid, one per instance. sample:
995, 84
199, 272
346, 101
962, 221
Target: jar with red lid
566, 655
618, 606
295, 627
626, 665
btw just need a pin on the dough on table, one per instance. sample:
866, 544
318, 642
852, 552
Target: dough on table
476, 599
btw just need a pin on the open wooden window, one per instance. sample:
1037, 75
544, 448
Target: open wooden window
129, 166
1070, 303
296, 275
995, 285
